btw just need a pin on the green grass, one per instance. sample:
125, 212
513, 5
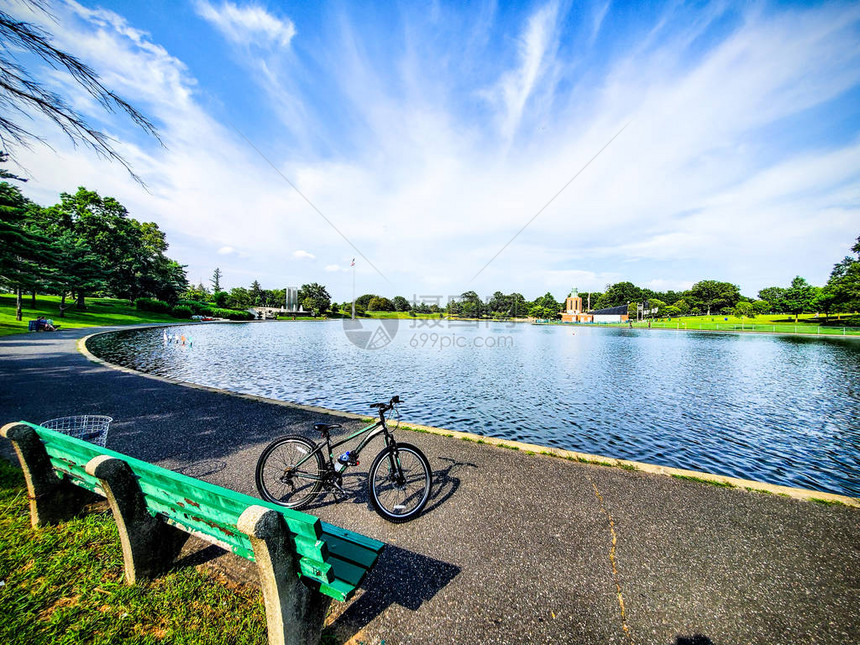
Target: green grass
701, 480
827, 502
64, 584
806, 324
100, 311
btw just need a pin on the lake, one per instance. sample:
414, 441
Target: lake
779, 409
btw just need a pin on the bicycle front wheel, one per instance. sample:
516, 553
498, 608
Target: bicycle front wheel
399, 482
287, 473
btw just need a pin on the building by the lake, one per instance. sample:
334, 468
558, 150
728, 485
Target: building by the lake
573, 312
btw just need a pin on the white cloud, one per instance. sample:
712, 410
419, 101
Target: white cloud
304, 255
333, 267
226, 250
248, 25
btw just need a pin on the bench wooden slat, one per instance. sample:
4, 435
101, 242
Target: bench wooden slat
339, 590
350, 536
351, 552
222, 501
77, 475
347, 572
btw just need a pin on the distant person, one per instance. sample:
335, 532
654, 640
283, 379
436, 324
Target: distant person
44, 324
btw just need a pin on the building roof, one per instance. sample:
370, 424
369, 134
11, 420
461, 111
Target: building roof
611, 311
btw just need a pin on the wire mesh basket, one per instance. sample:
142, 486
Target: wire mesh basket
89, 427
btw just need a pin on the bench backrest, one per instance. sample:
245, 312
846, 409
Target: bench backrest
334, 559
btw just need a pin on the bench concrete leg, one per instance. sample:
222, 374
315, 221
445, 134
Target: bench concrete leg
294, 612
149, 545
53, 499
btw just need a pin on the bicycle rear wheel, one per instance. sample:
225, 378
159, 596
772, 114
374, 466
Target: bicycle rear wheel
399, 482
281, 479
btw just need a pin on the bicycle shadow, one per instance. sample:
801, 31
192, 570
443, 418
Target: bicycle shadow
387, 585
445, 485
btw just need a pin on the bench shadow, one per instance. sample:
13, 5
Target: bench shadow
695, 639
400, 577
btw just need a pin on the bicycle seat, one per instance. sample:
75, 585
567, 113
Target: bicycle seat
322, 428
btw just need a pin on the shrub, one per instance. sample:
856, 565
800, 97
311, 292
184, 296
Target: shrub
152, 304
197, 307
232, 314
182, 311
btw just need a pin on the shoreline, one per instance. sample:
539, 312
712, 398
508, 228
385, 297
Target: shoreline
526, 448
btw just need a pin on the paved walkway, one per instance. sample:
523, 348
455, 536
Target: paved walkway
513, 548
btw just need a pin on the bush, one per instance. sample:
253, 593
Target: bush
197, 307
182, 311
152, 304
232, 314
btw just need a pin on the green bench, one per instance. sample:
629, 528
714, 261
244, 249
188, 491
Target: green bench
303, 562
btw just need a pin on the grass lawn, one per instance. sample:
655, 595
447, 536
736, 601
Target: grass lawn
64, 584
100, 311
806, 324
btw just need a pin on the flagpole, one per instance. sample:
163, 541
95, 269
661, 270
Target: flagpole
353, 288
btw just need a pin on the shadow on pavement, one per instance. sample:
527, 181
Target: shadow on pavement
400, 577
445, 485
696, 639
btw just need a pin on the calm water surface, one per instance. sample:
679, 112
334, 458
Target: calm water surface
777, 409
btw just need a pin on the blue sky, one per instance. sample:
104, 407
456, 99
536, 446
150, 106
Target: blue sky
430, 134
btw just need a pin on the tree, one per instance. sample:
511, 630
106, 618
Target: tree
470, 305
843, 288
799, 297
499, 303
256, 293
314, 297
761, 306
240, 298
519, 306
21, 94
378, 303
22, 251
653, 303
545, 307
401, 304
198, 293
130, 252
715, 295
364, 300
215, 280
774, 296
618, 294
744, 310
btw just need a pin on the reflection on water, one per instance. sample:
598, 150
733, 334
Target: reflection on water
777, 409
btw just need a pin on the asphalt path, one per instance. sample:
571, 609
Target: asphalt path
512, 548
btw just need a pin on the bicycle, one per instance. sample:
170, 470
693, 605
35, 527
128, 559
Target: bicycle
292, 470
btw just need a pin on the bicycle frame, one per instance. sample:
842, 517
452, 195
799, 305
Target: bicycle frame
373, 430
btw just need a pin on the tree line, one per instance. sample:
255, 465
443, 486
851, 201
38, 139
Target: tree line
84, 245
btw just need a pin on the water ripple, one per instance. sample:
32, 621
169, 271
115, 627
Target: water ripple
777, 409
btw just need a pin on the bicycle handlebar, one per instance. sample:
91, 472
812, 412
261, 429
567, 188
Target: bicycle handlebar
384, 407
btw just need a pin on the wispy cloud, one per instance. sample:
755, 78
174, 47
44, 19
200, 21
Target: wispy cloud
249, 25
304, 255
536, 48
